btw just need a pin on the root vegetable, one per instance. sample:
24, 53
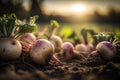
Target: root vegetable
68, 50
27, 40
42, 51
12, 29
106, 49
10, 49
84, 49
57, 42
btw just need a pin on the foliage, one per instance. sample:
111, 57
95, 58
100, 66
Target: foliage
67, 34
11, 27
51, 29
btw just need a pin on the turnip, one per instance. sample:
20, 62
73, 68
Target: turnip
42, 51
27, 41
10, 31
106, 49
25, 46
9, 48
28, 38
56, 41
84, 49
68, 50
67, 53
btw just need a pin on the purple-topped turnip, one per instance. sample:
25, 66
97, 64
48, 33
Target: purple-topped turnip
106, 49
27, 41
67, 53
28, 38
42, 51
68, 50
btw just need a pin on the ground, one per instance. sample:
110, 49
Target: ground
94, 68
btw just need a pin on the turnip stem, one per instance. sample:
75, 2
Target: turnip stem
4, 30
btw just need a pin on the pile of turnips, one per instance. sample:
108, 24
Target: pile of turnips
11, 29
16, 37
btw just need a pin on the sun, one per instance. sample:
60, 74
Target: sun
78, 8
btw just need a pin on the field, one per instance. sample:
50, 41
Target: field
97, 27
66, 30
93, 68
59, 40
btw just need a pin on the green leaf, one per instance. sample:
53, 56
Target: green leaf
84, 35
11, 24
27, 28
33, 19
54, 23
52, 28
110, 36
7, 25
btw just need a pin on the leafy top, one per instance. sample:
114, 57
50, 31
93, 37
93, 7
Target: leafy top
11, 27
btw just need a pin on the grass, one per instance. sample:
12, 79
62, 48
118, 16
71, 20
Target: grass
97, 27
66, 29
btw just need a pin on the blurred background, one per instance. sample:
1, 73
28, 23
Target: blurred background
82, 13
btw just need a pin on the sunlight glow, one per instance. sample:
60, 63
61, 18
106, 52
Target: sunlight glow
78, 8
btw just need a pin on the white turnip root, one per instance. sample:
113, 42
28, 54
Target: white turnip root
106, 49
42, 51
10, 49
56, 41
84, 49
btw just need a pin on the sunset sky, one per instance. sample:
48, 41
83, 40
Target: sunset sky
78, 7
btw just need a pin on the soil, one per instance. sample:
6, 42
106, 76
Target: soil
92, 68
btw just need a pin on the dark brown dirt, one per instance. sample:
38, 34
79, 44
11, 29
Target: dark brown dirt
92, 68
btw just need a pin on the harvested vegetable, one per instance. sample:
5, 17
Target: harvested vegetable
68, 50
10, 48
27, 40
11, 29
106, 49
42, 51
85, 47
56, 41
